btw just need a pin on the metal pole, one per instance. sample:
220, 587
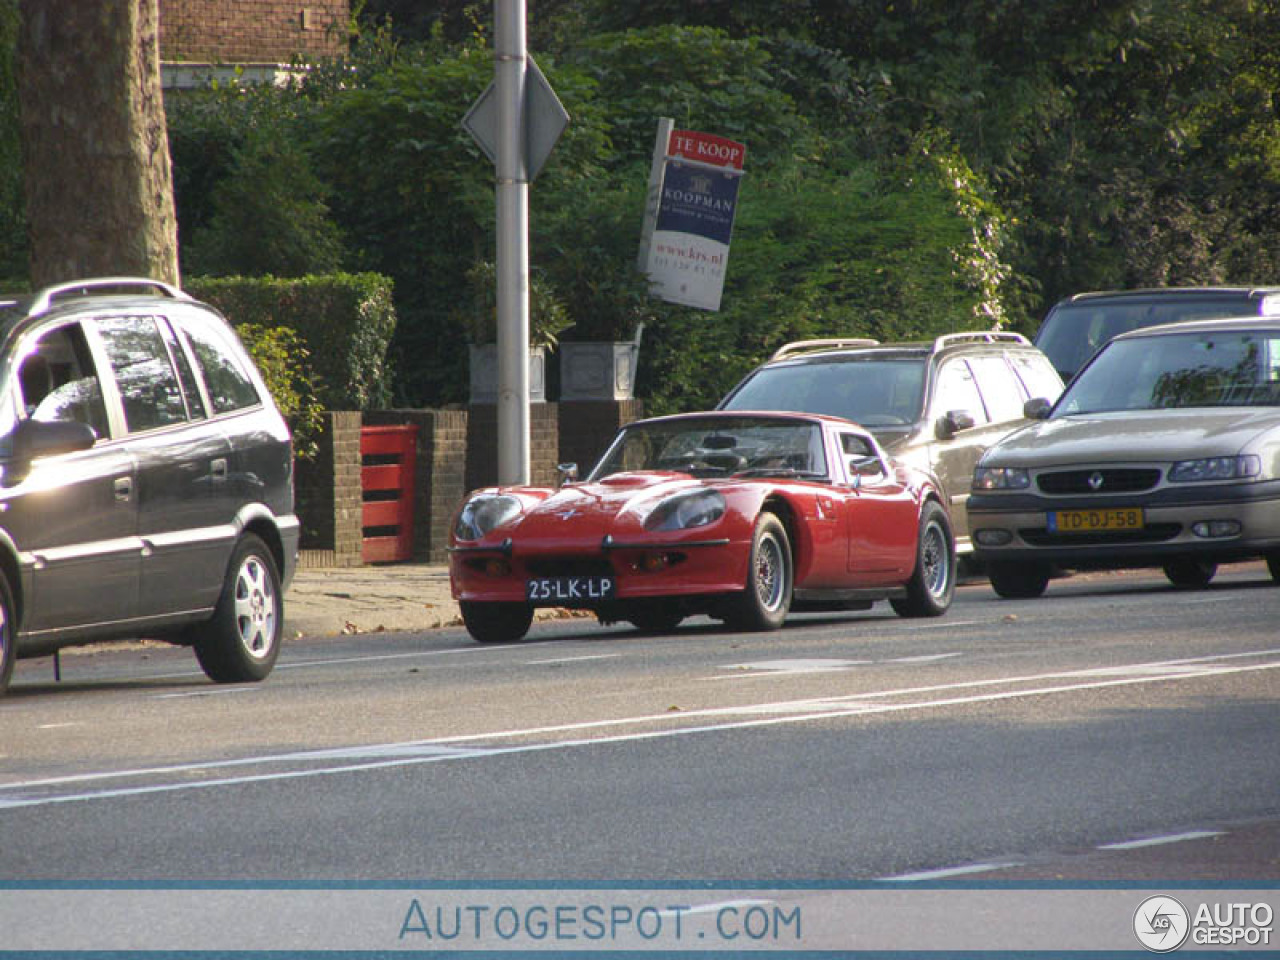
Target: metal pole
513, 243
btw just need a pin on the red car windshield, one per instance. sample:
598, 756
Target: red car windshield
718, 446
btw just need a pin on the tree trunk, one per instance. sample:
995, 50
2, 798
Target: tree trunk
95, 147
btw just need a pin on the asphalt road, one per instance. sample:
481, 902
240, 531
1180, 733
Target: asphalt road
1014, 738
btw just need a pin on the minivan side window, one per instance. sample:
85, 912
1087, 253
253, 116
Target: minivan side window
229, 386
143, 371
58, 380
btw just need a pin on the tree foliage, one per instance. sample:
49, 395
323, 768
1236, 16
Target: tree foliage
912, 168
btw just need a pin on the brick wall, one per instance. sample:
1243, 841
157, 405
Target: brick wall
441, 474
482, 444
587, 427
328, 494
252, 31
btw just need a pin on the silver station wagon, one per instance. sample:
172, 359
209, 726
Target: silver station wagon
1164, 451
146, 479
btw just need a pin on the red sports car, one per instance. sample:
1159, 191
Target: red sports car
741, 516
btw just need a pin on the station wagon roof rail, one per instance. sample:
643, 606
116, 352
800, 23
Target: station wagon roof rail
829, 343
978, 336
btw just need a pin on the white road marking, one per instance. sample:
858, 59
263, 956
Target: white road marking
797, 665
945, 625
925, 658
1159, 841
823, 709
589, 656
211, 692
55, 726
945, 872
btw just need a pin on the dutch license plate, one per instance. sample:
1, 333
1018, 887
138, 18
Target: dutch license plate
1095, 521
569, 590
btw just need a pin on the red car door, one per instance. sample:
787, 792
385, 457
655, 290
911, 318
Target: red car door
880, 515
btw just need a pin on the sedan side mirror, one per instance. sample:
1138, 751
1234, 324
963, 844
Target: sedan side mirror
1037, 408
952, 422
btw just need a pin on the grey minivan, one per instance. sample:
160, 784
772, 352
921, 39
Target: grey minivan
1077, 326
146, 479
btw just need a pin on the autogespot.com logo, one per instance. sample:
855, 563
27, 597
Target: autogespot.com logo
1161, 924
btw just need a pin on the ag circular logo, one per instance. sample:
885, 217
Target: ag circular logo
1161, 923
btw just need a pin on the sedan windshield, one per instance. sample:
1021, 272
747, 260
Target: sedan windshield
872, 391
719, 446
1219, 369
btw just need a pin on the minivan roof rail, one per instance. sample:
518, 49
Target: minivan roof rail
979, 336
44, 298
831, 343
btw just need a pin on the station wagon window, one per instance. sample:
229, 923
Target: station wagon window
1000, 388
957, 391
229, 386
1037, 375
143, 371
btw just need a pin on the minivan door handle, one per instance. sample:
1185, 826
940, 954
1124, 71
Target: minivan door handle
218, 468
123, 489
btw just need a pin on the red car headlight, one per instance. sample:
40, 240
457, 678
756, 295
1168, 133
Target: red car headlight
485, 512
694, 509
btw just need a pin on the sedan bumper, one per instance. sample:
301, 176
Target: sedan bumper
1225, 521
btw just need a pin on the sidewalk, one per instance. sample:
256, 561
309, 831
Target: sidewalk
401, 596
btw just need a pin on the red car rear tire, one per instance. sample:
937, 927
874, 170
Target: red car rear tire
933, 582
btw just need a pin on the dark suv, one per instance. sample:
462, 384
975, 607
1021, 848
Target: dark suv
1077, 326
936, 405
146, 479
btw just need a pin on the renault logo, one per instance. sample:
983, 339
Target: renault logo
1095, 480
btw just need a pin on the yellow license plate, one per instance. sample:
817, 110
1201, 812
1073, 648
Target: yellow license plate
1095, 521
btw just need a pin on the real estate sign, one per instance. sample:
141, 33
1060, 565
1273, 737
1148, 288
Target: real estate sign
693, 191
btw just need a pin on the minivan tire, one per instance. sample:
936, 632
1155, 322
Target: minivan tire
8, 635
241, 641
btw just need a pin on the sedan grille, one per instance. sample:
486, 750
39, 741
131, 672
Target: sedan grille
1106, 480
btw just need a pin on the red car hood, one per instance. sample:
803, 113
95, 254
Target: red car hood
582, 514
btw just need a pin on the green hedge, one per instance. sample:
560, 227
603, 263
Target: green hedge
346, 321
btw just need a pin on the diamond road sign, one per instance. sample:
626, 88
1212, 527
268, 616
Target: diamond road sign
544, 120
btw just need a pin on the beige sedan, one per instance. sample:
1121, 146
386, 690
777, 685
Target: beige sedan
1164, 451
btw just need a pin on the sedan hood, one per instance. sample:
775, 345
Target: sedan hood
1128, 436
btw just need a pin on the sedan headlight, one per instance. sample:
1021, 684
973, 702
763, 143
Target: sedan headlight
1001, 478
685, 510
1216, 468
485, 512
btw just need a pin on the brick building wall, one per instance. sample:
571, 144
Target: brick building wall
252, 31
